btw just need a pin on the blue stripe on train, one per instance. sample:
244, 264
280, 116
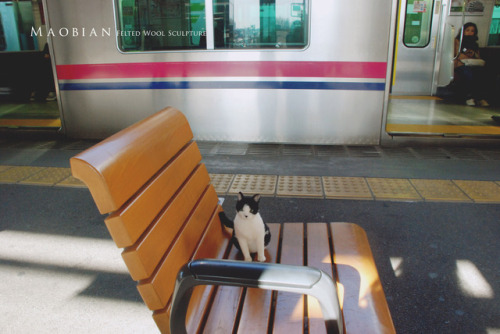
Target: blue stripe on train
379, 86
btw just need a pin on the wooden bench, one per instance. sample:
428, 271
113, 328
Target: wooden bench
164, 213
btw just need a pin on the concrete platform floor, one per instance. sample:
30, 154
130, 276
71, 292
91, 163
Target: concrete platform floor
438, 260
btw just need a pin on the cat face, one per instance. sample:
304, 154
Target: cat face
247, 206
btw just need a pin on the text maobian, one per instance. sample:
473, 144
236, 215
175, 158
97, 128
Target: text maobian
106, 32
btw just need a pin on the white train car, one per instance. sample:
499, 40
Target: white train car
282, 71
293, 71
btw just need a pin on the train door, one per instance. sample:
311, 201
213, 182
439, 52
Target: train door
422, 36
27, 88
421, 99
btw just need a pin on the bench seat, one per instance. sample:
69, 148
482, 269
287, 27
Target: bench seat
163, 211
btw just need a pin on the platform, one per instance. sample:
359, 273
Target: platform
30, 115
431, 215
432, 115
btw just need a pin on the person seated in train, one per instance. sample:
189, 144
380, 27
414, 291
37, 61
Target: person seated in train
469, 67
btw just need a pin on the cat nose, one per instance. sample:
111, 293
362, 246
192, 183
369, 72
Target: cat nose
246, 216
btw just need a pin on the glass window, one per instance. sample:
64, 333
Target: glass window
147, 25
154, 25
494, 36
261, 24
417, 30
16, 22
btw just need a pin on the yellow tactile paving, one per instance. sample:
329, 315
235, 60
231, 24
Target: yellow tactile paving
300, 186
346, 187
254, 184
480, 191
48, 176
71, 181
221, 182
307, 186
393, 189
439, 190
19, 173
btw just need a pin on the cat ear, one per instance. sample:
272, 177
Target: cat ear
240, 196
256, 197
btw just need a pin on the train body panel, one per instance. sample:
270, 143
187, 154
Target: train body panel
299, 118
330, 91
259, 71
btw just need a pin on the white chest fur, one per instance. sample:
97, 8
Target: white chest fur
249, 230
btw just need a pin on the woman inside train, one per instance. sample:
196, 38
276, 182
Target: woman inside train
469, 67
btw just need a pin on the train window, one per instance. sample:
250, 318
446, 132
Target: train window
260, 24
494, 36
162, 25
16, 22
417, 30
148, 25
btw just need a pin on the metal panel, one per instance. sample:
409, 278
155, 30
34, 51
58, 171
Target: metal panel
446, 56
415, 65
326, 108
315, 117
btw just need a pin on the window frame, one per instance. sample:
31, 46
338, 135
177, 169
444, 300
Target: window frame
430, 12
210, 34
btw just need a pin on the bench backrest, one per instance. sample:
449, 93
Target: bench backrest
150, 180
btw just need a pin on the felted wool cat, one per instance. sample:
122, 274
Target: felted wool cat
250, 233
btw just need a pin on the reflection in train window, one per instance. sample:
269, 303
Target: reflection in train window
154, 25
418, 19
260, 24
147, 25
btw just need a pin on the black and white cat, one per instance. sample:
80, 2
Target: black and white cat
250, 233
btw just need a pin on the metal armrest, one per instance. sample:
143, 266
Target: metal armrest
269, 276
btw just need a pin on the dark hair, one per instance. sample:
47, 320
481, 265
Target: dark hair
467, 25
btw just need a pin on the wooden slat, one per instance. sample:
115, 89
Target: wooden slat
362, 297
215, 240
289, 313
144, 256
318, 256
127, 224
222, 316
157, 290
214, 244
119, 166
199, 307
257, 304
162, 319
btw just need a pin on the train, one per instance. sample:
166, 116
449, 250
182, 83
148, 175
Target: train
268, 71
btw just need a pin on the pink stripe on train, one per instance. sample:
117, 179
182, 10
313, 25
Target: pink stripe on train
312, 69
